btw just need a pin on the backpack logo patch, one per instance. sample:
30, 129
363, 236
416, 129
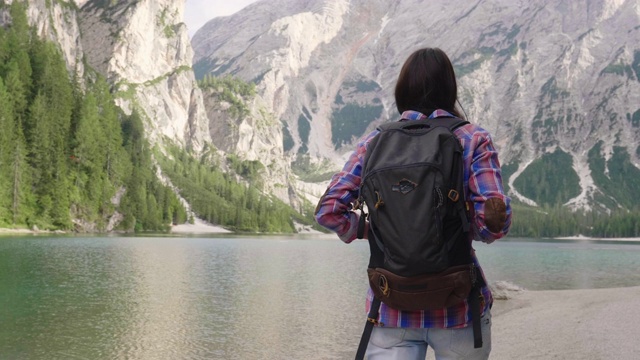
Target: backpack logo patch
404, 186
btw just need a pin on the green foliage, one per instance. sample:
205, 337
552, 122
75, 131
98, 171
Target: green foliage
306, 113
479, 56
202, 68
147, 205
551, 90
6, 145
351, 121
310, 172
510, 51
66, 4
232, 90
162, 21
304, 129
617, 176
287, 139
109, 5
159, 79
250, 170
168, 31
635, 118
506, 171
367, 86
619, 183
619, 68
63, 156
515, 30
218, 198
550, 180
557, 221
636, 63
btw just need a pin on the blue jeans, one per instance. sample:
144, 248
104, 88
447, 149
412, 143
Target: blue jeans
447, 344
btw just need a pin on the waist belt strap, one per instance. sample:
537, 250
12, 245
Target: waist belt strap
372, 319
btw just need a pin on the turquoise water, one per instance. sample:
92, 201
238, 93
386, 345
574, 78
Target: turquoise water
233, 297
560, 264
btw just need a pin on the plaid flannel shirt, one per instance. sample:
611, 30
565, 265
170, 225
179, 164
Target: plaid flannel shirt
482, 180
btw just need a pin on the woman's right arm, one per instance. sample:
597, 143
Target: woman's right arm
491, 207
335, 209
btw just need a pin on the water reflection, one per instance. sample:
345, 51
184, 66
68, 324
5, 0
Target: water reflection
231, 298
60, 297
160, 307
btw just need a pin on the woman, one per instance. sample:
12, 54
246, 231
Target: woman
427, 89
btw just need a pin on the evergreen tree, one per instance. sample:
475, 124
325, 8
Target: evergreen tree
18, 40
41, 156
88, 159
6, 145
55, 85
23, 202
117, 163
17, 88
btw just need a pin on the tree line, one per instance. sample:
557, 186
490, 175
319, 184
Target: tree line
226, 192
557, 221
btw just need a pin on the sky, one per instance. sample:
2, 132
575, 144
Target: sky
198, 12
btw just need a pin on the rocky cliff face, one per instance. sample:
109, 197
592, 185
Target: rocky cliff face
557, 83
252, 133
56, 21
142, 48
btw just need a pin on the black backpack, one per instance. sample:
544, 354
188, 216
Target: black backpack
412, 186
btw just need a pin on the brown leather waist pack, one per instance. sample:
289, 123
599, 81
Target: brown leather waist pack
423, 292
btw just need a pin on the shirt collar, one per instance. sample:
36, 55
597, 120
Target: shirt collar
415, 115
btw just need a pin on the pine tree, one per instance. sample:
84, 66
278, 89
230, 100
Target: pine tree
117, 163
23, 202
41, 156
6, 145
88, 159
18, 40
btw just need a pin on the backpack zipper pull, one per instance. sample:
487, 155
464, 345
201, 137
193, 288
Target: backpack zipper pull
379, 202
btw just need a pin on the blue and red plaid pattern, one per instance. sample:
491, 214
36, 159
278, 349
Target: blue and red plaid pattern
482, 180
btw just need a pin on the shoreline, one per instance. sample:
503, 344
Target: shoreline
202, 227
586, 238
573, 324
198, 227
567, 324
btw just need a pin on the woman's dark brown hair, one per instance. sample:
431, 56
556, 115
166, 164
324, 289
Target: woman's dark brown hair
427, 82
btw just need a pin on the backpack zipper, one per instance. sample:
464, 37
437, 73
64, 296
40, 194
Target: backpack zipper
438, 202
432, 165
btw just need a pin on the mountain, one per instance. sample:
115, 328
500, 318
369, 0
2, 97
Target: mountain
148, 57
556, 83
259, 110
143, 49
225, 161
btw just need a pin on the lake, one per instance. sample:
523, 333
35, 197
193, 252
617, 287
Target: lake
234, 297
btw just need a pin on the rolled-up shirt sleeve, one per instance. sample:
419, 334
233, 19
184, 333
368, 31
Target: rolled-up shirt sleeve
491, 208
334, 210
